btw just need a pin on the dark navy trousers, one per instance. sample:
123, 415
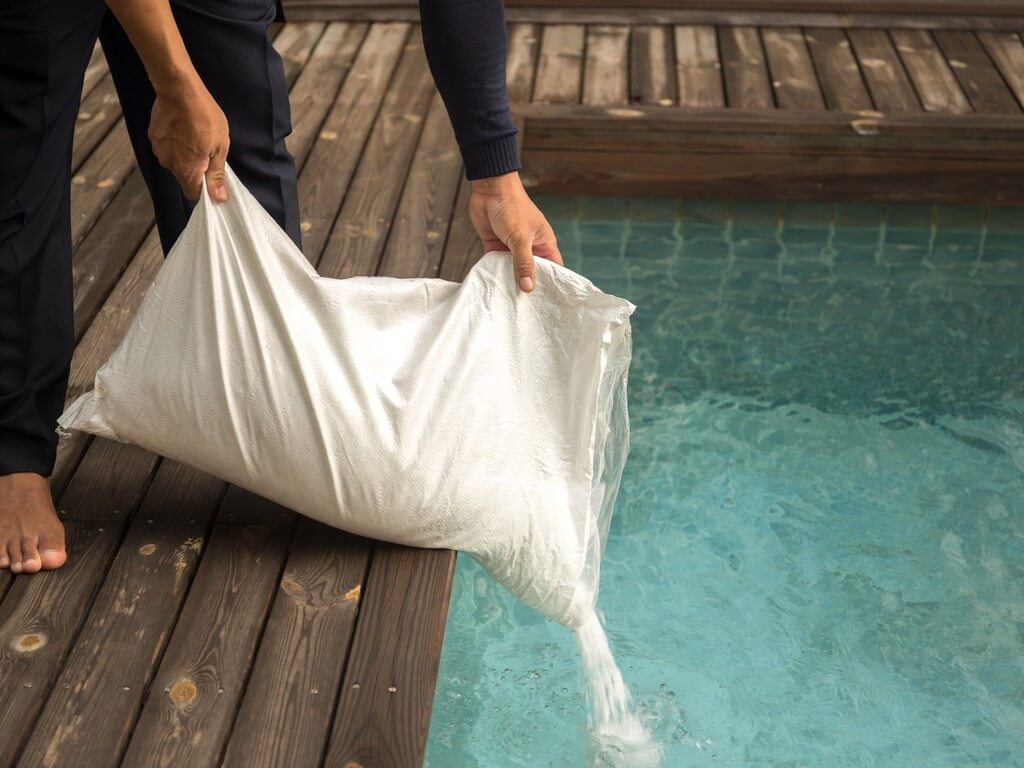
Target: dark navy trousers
45, 46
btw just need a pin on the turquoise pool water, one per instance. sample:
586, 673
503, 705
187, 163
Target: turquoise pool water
817, 557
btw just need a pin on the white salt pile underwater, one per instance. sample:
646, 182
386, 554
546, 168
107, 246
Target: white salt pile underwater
618, 738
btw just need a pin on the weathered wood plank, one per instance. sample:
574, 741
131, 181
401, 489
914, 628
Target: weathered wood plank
420, 225
386, 696
192, 702
94, 70
286, 713
840, 77
746, 71
97, 114
331, 162
560, 70
698, 70
42, 613
932, 78
652, 72
1007, 52
92, 708
103, 255
361, 229
317, 84
792, 71
948, 7
606, 69
101, 338
521, 61
307, 10
974, 159
887, 80
977, 75
98, 180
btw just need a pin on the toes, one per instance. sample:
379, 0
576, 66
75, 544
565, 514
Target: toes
52, 553
30, 560
5, 561
14, 551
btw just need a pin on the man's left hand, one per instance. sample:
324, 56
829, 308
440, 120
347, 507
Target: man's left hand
506, 219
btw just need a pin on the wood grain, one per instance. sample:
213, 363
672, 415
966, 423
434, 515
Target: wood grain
838, 73
92, 709
97, 114
976, 73
560, 70
652, 71
747, 85
289, 701
792, 72
606, 69
387, 692
891, 89
335, 154
521, 62
809, 155
42, 613
1007, 51
192, 702
420, 224
930, 73
357, 240
698, 69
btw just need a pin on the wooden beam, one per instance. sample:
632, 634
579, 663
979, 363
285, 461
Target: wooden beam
911, 7
781, 154
310, 10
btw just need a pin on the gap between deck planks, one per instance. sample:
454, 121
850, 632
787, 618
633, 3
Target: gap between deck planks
226, 608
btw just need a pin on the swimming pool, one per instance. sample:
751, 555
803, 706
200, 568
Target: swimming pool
817, 558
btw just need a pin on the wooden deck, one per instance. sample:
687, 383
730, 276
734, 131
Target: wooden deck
885, 100
197, 624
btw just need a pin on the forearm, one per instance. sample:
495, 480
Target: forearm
465, 46
154, 34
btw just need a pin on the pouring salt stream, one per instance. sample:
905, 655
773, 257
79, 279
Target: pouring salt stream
618, 738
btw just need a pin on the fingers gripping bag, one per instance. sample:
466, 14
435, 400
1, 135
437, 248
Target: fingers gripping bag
420, 411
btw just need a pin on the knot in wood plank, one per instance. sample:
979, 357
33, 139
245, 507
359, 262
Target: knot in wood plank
183, 691
29, 642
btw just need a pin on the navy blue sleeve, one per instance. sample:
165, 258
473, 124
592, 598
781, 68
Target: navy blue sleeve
465, 44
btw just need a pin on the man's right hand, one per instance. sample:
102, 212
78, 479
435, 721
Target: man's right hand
187, 130
189, 135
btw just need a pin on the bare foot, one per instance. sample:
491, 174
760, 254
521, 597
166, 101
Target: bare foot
31, 536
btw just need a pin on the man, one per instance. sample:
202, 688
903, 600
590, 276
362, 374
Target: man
185, 71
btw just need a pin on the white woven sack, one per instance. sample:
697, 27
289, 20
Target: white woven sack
429, 413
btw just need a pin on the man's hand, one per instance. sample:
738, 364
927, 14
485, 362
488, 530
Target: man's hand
189, 134
506, 219
187, 129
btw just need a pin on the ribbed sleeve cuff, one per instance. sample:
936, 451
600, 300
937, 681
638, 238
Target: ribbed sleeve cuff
491, 159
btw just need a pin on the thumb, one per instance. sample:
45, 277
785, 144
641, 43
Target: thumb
522, 259
216, 182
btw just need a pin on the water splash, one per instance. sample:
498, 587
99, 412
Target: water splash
618, 738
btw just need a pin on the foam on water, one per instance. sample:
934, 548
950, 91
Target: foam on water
619, 739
